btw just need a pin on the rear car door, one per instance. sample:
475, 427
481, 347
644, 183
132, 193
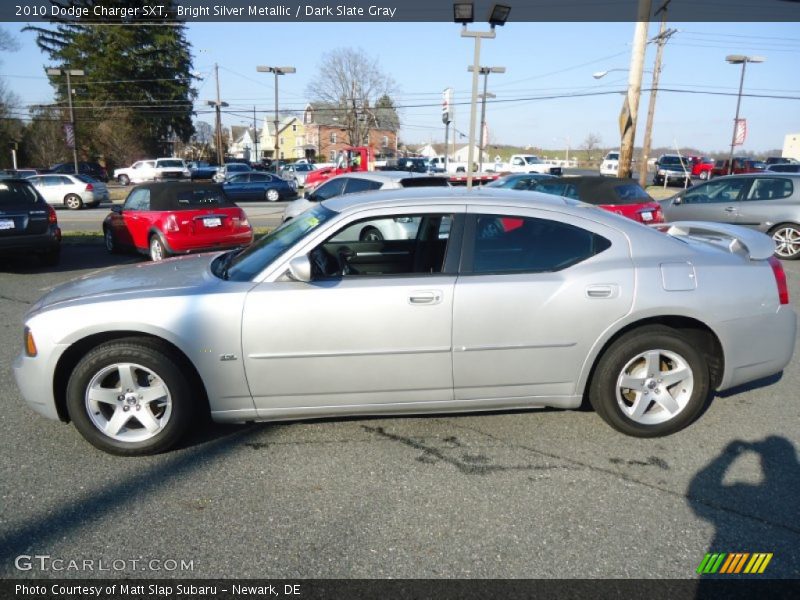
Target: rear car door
373, 327
769, 201
532, 300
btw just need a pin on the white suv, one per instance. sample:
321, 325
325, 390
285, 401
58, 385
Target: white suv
610, 164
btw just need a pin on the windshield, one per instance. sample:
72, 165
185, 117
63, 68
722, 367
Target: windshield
612, 156
532, 160
673, 161
253, 259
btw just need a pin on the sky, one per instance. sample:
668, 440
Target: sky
541, 59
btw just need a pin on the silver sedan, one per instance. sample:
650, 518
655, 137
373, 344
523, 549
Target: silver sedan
499, 300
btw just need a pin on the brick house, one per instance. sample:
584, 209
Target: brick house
326, 134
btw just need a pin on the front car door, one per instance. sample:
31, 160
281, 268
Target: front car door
373, 327
130, 228
531, 301
716, 200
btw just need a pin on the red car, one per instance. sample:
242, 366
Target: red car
701, 166
161, 219
740, 165
623, 196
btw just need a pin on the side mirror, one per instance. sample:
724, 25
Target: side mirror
300, 268
677, 200
117, 208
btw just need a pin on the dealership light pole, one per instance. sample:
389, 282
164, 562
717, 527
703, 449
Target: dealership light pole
739, 59
463, 12
70, 73
485, 72
277, 71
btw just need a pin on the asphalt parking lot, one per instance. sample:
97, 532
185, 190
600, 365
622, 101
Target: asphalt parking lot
536, 494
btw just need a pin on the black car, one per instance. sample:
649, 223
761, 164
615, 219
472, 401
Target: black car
92, 169
28, 224
783, 168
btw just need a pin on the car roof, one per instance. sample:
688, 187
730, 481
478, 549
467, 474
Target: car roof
384, 176
423, 196
760, 175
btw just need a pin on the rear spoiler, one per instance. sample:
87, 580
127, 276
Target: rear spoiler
738, 240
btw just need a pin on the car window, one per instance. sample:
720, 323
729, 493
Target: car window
171, 163
726, 190
139, 199
239, 179
556, 188
631, 193
329, 189
15, 192
67, 181
524, 244
391, 245
49, 180
355, 185
771, 188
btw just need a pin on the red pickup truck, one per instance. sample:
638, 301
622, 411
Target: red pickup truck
740, 165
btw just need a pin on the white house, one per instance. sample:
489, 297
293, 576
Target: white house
243, 146
462, 154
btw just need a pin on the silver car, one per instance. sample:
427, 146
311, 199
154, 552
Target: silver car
501, 300
72, 191
298, 172
768, 202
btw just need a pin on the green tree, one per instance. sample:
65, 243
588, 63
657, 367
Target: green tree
137, 79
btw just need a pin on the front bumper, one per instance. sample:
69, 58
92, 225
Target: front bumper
34, 377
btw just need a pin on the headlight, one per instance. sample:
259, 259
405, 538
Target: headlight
662, 172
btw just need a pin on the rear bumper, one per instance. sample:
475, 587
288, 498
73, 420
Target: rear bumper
43, 242
757, 347
195, 244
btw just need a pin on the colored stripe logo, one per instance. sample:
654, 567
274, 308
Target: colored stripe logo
731, 563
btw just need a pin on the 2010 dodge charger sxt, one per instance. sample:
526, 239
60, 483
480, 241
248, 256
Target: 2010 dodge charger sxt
496, 300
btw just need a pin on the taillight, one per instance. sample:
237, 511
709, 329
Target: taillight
240, 221
89, 187
780, 279
172, 224
658, 216
51, 215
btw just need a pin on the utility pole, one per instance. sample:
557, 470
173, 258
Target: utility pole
74, 140
630, 107
255, 136
661, 39
218, 104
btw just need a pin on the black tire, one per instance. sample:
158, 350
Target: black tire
157, 249
73, 202
124, 180
110, 243
148, 357
688, 397
787, 241
370, 234
51, 258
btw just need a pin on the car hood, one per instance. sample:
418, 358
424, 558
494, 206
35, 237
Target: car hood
175, 275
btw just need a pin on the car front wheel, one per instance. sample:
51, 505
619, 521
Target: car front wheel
650, 382
130, 398
787, 241
703, 175
108, 238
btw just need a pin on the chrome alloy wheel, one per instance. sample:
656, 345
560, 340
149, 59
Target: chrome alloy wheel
787, 241
654, 387
128, 402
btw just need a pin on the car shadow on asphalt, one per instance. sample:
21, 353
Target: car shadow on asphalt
74, 257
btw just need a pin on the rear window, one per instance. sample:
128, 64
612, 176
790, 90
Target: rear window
171, 163
16, 192
201, 198
631, 194
424, 182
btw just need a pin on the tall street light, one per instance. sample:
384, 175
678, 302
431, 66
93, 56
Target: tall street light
463, 12
739, 59
70, 73
277, 71
218, 104
485, 72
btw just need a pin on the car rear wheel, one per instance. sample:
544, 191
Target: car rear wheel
370, 234
73, 202
272, 195
650, 382
124, 180
129, 397
157, 250
787, 241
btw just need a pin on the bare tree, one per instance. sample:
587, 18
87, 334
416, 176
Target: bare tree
43, 141
350, 84
590, 144
10, 125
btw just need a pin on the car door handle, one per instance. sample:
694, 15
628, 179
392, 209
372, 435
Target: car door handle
730, 209
602, 291
425, 297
